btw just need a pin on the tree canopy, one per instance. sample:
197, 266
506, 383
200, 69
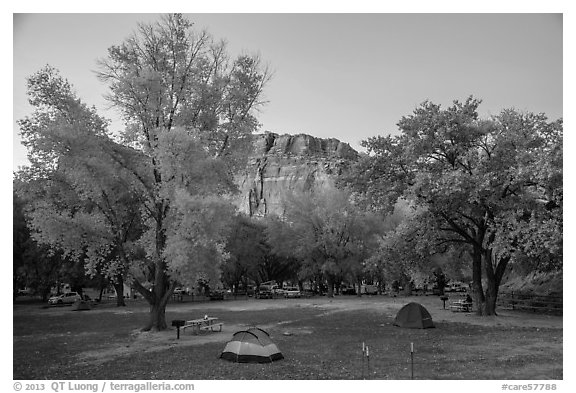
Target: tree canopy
153, 202
325, 230
494, 185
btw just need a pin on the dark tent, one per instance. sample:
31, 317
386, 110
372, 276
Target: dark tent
414, 315
251, 346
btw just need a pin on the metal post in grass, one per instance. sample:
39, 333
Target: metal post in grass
363, 353
412, 359
444, 298
178, 323
368, 360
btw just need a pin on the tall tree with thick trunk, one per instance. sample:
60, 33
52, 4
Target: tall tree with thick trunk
162, 185
489, 184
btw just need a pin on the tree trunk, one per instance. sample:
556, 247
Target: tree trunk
160, 294
477, 290
102, 287
318, 283
119, 288
381, 286
490, 298
158, 302
330, 281
157, 321
494, 274
406, 287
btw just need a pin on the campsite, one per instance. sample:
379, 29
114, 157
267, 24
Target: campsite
319, 338
290, 196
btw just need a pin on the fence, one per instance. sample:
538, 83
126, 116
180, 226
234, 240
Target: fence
530, 302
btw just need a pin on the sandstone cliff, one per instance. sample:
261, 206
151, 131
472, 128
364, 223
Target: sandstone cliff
284, 163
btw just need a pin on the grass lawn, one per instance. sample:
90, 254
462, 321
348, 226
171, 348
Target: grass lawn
318, 339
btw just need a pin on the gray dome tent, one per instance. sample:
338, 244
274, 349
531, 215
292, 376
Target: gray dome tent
414, 315
251, 346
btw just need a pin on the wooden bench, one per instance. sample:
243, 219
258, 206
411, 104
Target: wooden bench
461, 306
188, 326
201, 324
192, 325
211, 327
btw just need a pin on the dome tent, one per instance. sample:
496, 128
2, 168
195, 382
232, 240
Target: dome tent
251, 346
414, 315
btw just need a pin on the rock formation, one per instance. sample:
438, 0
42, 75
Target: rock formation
288, 163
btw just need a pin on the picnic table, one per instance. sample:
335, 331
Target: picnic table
461, 305
206, 323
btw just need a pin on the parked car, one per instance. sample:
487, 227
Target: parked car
216, 295
25, 292
456, 287
181, 291
265, 294
291, 292
348, 291
274, 288
369, 289
65, 298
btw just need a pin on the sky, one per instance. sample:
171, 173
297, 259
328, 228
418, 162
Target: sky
345, 76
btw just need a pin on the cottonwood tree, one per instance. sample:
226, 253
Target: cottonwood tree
163, 184
327, 232
246, 249
81, 200
390, 260
366, 230
251, 256
275, 267
409, 253
489, 184
35, 266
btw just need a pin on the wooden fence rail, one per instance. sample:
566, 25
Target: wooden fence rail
535, 303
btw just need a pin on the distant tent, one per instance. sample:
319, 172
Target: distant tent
251, 346
80, 305
414, 315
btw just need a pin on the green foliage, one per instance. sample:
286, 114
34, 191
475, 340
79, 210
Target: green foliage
168, 75
495, 185
325, 230
58, 114
251, 256
34, 266
197, 230
153, 204
84, 201
247, 248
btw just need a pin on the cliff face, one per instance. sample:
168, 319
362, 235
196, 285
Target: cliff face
284, 163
